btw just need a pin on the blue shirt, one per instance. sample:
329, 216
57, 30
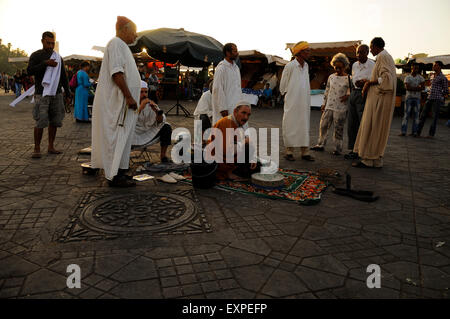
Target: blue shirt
267, 92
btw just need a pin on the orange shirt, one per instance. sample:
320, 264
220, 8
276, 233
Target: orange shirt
222, 124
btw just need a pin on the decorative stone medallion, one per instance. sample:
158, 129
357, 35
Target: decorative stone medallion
112, 215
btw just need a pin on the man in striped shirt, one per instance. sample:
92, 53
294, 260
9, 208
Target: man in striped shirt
436, 98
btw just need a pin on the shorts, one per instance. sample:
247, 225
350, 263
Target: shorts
48, 110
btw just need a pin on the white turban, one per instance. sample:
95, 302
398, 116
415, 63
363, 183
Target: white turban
144, 85
243, 102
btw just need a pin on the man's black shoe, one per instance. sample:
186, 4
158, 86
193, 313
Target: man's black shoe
123, 173
351, 156
122, 181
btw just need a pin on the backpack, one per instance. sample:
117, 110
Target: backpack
73, 82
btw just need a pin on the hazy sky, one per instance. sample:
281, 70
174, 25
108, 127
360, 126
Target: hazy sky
407, 26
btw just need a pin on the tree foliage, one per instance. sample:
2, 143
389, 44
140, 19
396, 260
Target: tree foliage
6, 51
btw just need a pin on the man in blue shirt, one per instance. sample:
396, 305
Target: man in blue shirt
267, 94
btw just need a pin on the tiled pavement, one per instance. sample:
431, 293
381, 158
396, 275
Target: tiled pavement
244, 247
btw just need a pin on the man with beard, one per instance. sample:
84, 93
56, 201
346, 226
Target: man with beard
47, 67
376, 121
226, 91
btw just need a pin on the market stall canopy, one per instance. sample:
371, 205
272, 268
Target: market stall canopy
74, 57
98, 48
143, 57
80, 58
425, 60
179, 45
419, 55
331, 48
253, 54
429, 60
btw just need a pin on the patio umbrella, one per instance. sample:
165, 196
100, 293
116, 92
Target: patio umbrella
173, 45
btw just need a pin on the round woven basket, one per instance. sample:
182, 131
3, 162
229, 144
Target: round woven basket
268, 180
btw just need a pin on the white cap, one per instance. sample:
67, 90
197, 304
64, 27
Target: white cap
243, 102
144, 85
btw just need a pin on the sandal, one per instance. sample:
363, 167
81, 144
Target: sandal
167, 179
36, 155
54, 152
289, 157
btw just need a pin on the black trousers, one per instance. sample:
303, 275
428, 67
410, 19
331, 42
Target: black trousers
165, 135
243, 169
434, 106
355, 112
206, 122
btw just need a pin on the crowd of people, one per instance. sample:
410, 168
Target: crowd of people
192, 84
126, 114
17, 82
364, 99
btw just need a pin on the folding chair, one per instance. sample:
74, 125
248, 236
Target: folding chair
144, 152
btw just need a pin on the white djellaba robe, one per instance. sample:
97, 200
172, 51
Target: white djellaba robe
204, 105
147, 127
297, 104
227, 89
113, 123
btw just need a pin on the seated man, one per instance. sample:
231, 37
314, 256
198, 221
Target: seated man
203, 111
151, 125
266, 97
235, 171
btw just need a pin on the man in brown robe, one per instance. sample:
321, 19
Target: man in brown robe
376, 121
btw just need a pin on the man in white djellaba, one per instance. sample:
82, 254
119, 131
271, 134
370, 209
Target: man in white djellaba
114, 109
151, 125
227, 89
295, 87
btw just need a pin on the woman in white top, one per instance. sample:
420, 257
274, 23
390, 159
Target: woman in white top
334, 107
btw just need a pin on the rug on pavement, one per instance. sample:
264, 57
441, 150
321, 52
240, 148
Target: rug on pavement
303, 187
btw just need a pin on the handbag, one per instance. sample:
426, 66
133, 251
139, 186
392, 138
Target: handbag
73, 81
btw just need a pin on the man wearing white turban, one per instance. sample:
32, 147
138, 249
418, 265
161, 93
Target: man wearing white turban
151, 125
235, 123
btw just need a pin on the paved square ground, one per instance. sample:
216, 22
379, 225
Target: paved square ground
226, 245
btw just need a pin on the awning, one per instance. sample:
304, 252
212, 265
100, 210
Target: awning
82, 58
254, 54
331, 48
98, 48
429, 60
179, 45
